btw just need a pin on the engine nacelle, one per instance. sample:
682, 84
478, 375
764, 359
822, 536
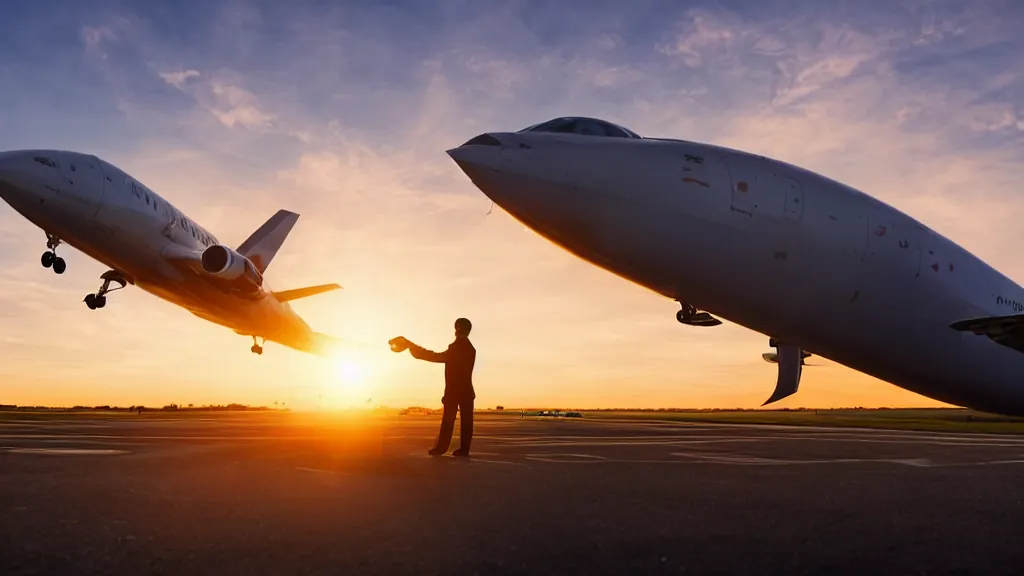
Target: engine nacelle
226, 264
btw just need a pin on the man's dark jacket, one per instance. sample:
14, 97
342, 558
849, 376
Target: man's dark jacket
458, 360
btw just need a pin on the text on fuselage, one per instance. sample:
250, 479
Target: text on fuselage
1013, 304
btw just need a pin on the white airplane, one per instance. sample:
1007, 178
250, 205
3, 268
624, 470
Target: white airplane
97, 208
812, 263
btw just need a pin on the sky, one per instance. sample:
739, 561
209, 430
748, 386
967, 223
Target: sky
341, 111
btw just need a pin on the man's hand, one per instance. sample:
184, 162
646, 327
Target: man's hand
399, 344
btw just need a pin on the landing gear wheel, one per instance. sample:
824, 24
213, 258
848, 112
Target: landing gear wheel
99, 299
93, 301
685, 316
257, 348
49, 259
690, 316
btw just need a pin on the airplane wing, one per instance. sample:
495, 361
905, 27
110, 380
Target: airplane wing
289, 295
1005, 330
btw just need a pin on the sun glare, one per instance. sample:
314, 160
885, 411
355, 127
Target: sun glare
349, 372
349, 386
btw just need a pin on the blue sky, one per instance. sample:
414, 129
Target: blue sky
342, 112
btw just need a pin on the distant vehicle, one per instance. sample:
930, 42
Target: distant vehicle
554, 414
99, 209
810, 262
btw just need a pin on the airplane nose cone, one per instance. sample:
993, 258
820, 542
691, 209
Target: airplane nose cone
14, 169
483, 151
9, 161
24, 175
482, 159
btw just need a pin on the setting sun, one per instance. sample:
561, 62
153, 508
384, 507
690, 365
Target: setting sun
349, 372
348, 385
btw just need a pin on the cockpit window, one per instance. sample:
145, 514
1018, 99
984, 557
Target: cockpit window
582, 125
45, 161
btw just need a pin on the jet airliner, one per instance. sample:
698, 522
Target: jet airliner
814, 264
99, 209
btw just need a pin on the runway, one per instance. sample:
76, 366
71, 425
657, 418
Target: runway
271, 493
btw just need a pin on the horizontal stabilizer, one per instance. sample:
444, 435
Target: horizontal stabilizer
1005, 330
261, 247
288, 295
790, 360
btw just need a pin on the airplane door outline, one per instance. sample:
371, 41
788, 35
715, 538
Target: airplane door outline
893, 243
82, 177
794, 198
67, 173
757, 193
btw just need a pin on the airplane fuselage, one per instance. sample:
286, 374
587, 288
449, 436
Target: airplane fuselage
105, 213
770, 246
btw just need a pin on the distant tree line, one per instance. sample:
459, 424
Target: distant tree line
139, 408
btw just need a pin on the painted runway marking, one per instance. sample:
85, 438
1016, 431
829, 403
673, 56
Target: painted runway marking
474, 459
67, 451
567, 458
759, 461
319, 471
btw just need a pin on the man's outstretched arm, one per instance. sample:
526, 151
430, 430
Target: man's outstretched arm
421, 353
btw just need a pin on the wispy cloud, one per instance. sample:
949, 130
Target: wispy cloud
233, 109
226, 101
178, 79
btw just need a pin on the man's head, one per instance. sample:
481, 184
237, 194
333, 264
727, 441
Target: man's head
462, 327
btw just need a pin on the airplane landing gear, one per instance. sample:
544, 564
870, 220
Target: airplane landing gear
49, 259
99, 299
690, 316
257, 348
686, 314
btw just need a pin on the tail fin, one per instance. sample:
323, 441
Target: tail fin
288, 295
263, 244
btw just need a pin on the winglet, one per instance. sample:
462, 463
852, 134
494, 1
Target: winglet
288, 295
263, 244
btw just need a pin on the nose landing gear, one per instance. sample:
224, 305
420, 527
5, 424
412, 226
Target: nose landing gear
690, 316
99, 299
257, 347
49, 259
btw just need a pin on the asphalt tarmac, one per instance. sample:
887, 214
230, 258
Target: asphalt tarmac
303, 494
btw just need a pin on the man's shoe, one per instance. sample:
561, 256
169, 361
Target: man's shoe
436, 451
461, 453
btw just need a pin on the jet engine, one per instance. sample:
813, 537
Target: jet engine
226, 264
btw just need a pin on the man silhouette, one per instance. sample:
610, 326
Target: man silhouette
458, 360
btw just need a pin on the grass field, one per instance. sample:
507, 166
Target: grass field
925, 419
